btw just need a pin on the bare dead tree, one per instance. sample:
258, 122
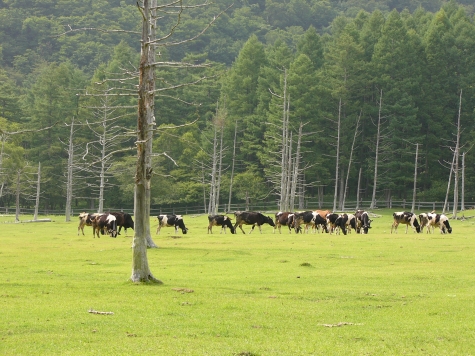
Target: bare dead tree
3, 138
337, 158
350, 161
377, 152
415, 180
38, 192
456, 168
146, 122
99, 153
217, 160
232, 166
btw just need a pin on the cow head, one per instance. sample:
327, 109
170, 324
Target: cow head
83, 215
270, 221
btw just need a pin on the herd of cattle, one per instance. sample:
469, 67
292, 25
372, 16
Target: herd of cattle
316, 220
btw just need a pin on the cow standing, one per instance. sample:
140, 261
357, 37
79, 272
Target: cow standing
284, 219
124, 220
439, 220
86, 219
105, 222
220, 220
309, 218
363, 222
175, 221
331, 222
405, 218
424, 222
350, 223
251, 218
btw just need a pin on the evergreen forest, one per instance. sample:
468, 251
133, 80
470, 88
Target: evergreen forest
348, 90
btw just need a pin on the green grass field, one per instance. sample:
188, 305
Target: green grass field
258, 294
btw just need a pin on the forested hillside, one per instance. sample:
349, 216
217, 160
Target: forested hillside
319, 92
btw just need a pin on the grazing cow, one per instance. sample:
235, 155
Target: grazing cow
284, 219
424, 221
86, 219
251, 218
439, 220
350, 223
220, 220
341, 223
124, 220
105, 222
171, 220
331, 222
406, 218
363, 222
309, 218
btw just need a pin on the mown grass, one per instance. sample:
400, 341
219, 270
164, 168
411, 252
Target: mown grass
258, 294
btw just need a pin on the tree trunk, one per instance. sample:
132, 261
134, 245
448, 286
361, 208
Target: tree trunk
349, 163
283, 204
38, 191
378, 136
462, 195
358, 190
415, 180
17, 196
69, 182
232, 167
448, 186
456, 172
145, 125
335, 195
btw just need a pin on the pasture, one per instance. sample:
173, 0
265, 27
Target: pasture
258, 294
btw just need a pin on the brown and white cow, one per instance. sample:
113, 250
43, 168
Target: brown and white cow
405, 218
220, 220
103, 223
309, 219
86, 219
285, 218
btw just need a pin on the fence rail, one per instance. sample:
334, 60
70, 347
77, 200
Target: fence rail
268, 207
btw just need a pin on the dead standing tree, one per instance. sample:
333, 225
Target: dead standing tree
380, 148
146, 91
146, 122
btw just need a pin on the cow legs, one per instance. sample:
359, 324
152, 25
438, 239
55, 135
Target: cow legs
158, 229
210, 228
394, 226
240, 226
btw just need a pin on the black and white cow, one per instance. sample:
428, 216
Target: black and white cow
424, 222
309, 218
124, 220
220, 220
350, 223
342, 223
284, 219
331, 222
405, 218
175, 221
105, 222
363, 222
251, 218
439, 220
86, 219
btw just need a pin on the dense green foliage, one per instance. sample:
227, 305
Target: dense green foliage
416, 55
258, 294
